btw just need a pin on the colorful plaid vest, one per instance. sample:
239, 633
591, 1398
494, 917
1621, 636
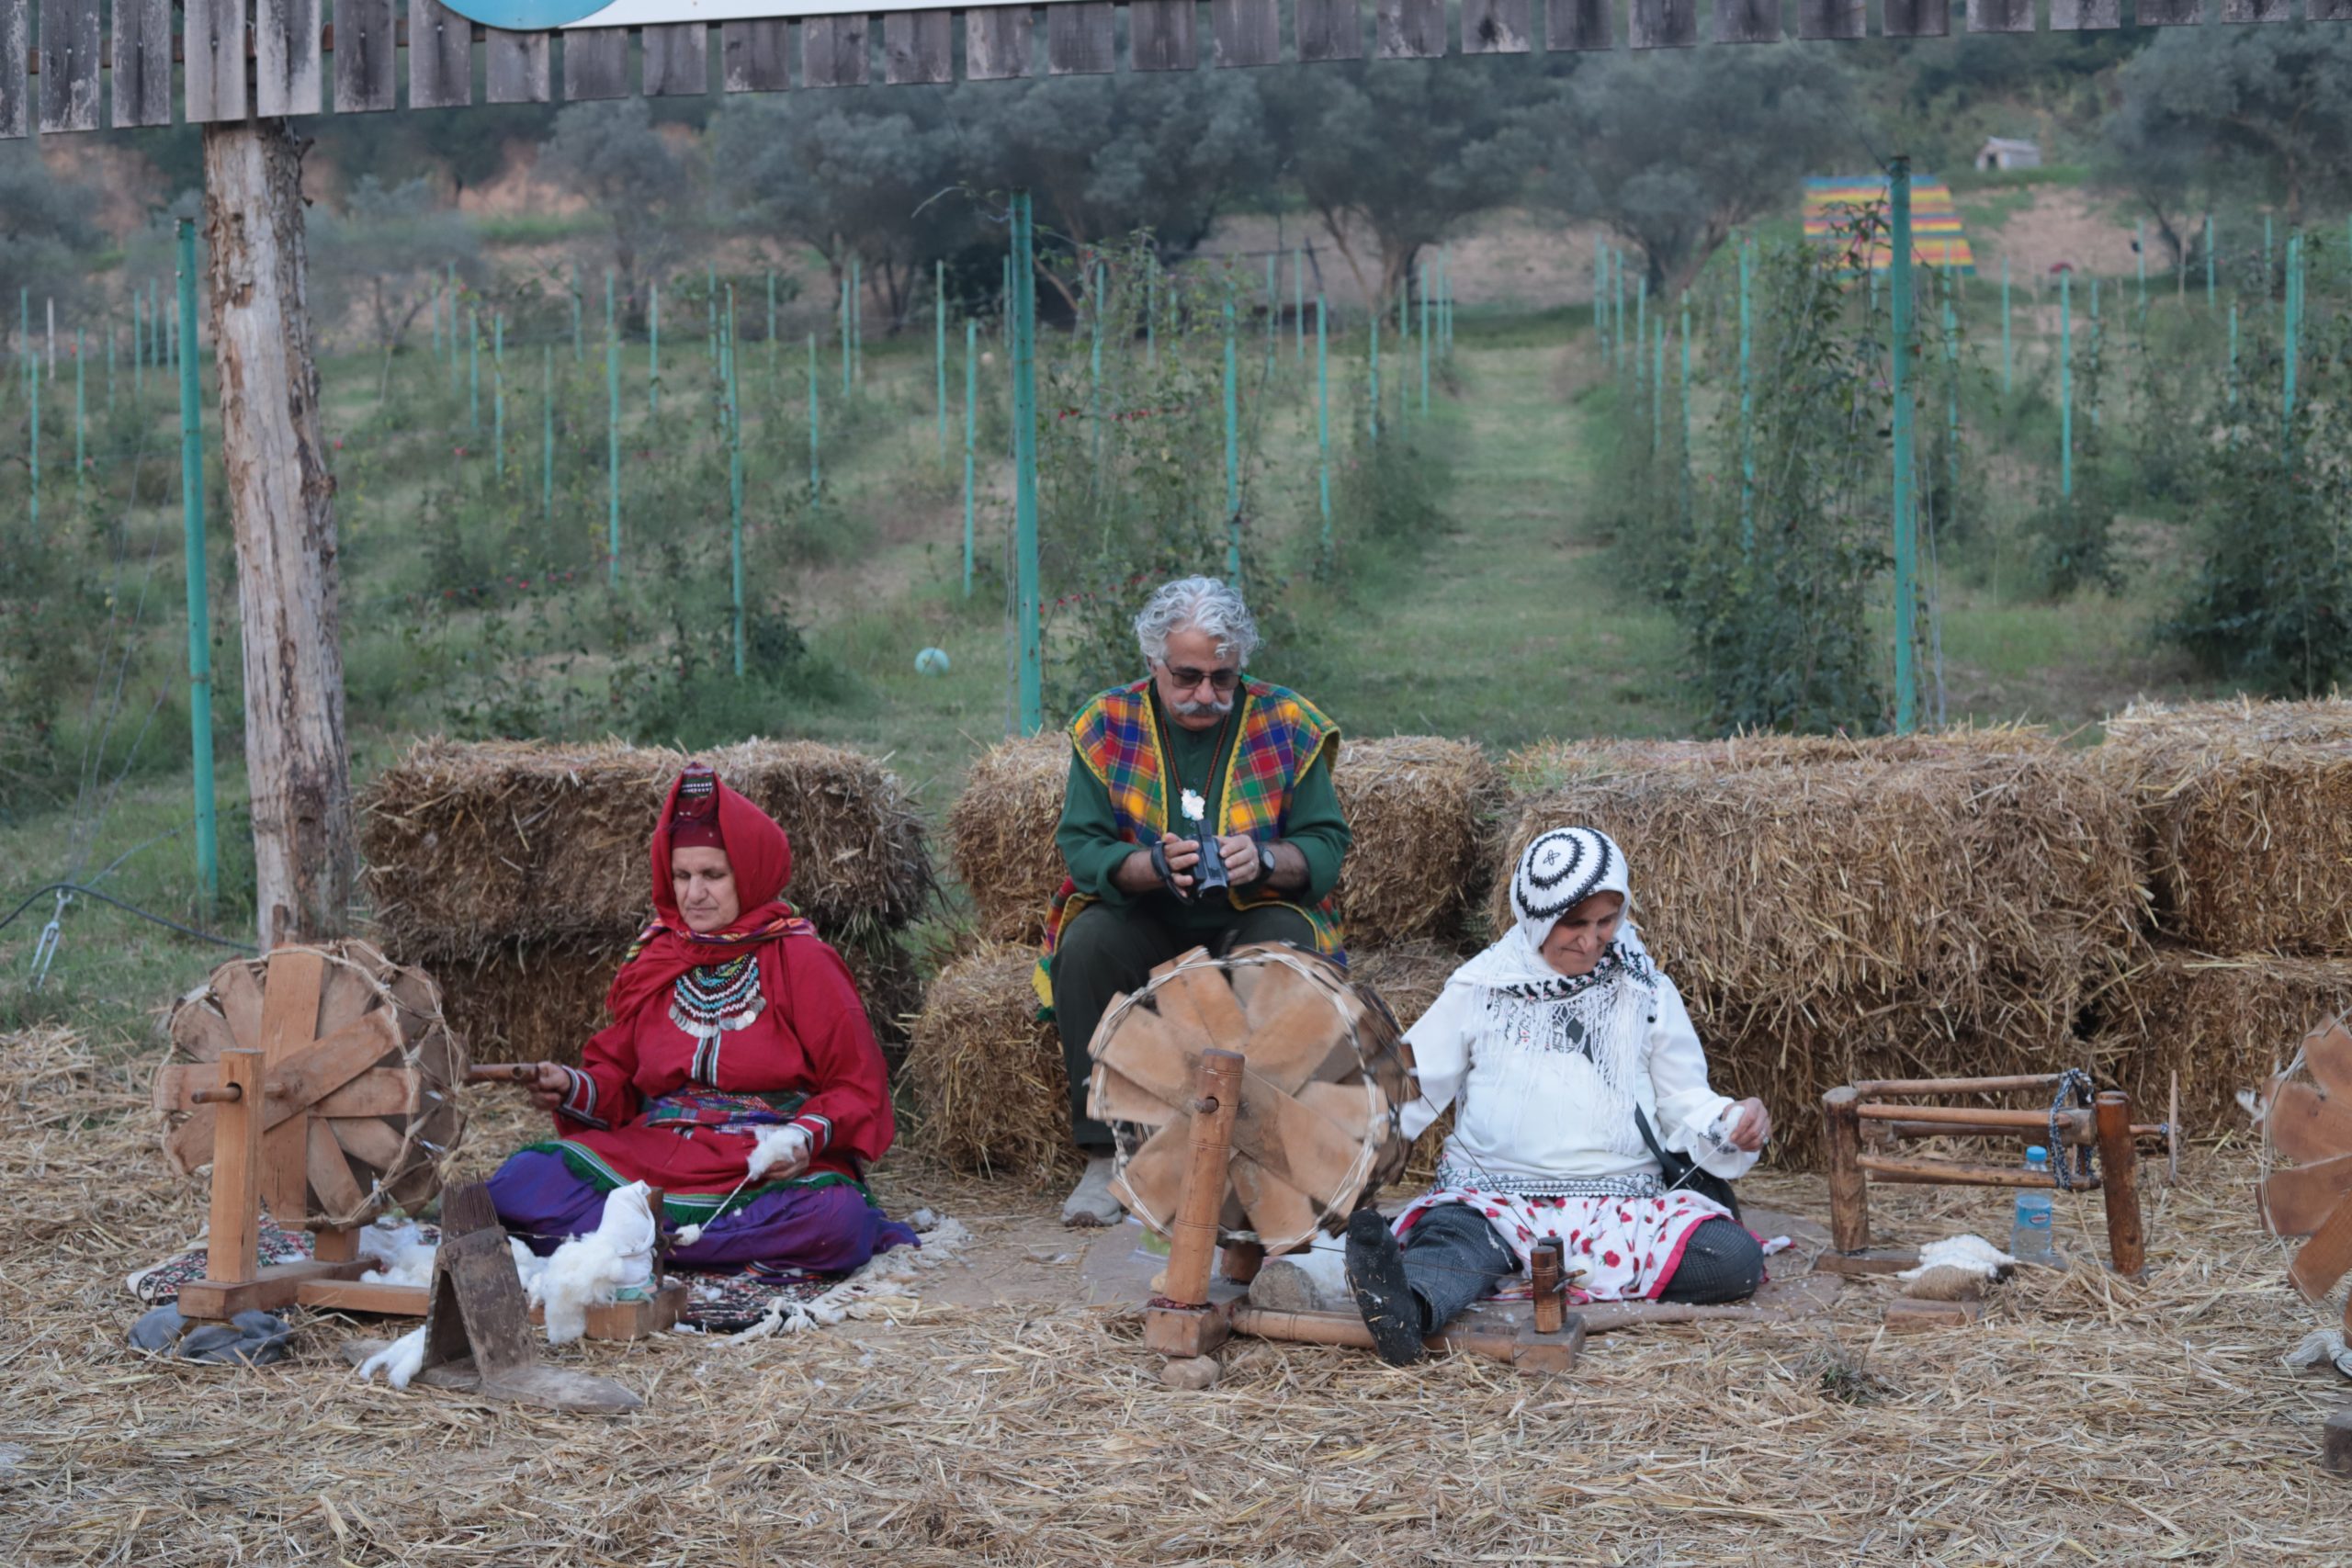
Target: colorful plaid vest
1282, 735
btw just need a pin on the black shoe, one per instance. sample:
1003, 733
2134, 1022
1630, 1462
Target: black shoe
1377, 1275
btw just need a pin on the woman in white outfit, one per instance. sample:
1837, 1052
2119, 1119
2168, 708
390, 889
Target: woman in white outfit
1574, 1065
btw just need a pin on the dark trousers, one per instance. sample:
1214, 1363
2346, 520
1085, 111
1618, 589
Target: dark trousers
1106, 951
1453, 1258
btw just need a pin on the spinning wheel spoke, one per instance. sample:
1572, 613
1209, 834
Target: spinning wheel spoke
2297, 1201
1118, 1098
377, 1143
1275, 1208
2328, 1054
239, 994
329, 1171
201, 1033
2327, 1257
2306, 1125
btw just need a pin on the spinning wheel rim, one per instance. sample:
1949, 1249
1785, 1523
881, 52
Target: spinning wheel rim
2314, 1245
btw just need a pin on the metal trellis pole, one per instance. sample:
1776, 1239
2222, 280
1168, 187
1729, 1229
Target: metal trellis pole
199, 616
1906, 545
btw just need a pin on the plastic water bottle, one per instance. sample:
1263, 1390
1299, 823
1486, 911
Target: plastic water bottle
2029, 1232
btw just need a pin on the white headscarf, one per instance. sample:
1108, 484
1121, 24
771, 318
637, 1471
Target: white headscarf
1602, 1015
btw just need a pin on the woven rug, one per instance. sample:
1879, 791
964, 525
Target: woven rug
716, 1304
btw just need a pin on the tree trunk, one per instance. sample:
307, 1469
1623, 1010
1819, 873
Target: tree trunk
281, 505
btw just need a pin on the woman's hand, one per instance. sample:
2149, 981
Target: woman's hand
1751, 1124
548, 1090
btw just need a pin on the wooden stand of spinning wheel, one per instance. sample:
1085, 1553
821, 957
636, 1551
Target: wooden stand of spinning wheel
2307, 1119
1196, 1314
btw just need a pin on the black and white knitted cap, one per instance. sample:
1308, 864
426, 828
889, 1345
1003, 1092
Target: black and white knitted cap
1561, 870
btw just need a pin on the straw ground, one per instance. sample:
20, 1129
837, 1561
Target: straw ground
2090, 1418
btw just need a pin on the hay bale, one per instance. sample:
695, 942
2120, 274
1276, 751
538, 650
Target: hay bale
539, 1001
2246, 813
472, 845
1001, 832
1985, 875
2224, 1023
1424, 811
984, 1075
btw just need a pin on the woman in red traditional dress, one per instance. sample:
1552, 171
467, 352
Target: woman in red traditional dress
733, 1026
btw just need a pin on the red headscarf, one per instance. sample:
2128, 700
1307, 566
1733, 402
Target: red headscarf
760, 855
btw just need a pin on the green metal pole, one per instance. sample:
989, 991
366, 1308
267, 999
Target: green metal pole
2266, 256
453, 326
710, 316
473, 369
32, 442
939, 346
2008, 365
1298, 304
1600, 299
112, 335
845, 324
498, 393
546, 433
1375, 377
1617, 287
857, 317
576, 345
1425, 345
1905, 522
436, 324
1951, 411
816, 471
1746, 409
1684, 390
2098, 342
1151, 308
2139, 254
734, 472
199, 616
1232, 459
772, 359
1274, 310
653, 348
971, 397
612, 441
1094, 376
81, 414
2066, 384
1024, 464
2294, 326
138, 344
1657, 382
1641, 325
1323, 417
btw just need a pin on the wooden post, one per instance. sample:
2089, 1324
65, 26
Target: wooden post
1191, 1238
1849, 1212
2335, 1451
281, 504
234, 1252
1551, 1303
2120, 1182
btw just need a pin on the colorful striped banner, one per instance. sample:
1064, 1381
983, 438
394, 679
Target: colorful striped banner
1937, 238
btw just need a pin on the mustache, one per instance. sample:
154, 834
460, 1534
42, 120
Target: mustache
1210, 709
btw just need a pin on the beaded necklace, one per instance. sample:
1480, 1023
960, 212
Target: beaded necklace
717, 996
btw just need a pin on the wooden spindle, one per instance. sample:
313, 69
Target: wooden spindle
1551, 1297
1849, 1212
233, 1252
2120, 1177
1191, 1238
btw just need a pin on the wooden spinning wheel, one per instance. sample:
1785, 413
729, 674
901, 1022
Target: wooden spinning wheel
318, 1083
1316, 1126
2307, 1119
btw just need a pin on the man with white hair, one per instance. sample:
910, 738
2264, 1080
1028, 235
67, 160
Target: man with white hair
1196, 758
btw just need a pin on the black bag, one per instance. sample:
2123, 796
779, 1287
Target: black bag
1683, 1171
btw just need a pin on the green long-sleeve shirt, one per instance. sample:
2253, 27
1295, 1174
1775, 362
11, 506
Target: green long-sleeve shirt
1091, 846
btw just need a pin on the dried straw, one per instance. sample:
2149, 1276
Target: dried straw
986, 1084
2222, 1023
1001, 831
539, 1001
1424, 812
470, 845
1986, 874
2087, 1418
2246, 809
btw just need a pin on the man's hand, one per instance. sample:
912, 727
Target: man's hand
550, 1087
1137, 875
1243, 863
1751, 1124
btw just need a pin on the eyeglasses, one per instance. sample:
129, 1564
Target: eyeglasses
1186, 678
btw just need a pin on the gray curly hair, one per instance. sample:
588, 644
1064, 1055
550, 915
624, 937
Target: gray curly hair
1204, 604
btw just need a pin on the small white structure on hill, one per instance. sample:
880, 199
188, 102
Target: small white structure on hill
2002, 153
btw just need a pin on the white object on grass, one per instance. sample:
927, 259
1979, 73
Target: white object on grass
931, 662
590, 1269
398, 1361
1967, 1251
2322, 1345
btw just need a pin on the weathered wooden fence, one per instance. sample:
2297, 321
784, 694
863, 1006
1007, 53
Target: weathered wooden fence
268, 57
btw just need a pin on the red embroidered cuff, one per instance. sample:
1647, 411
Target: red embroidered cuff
819, 1130
580, 1100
